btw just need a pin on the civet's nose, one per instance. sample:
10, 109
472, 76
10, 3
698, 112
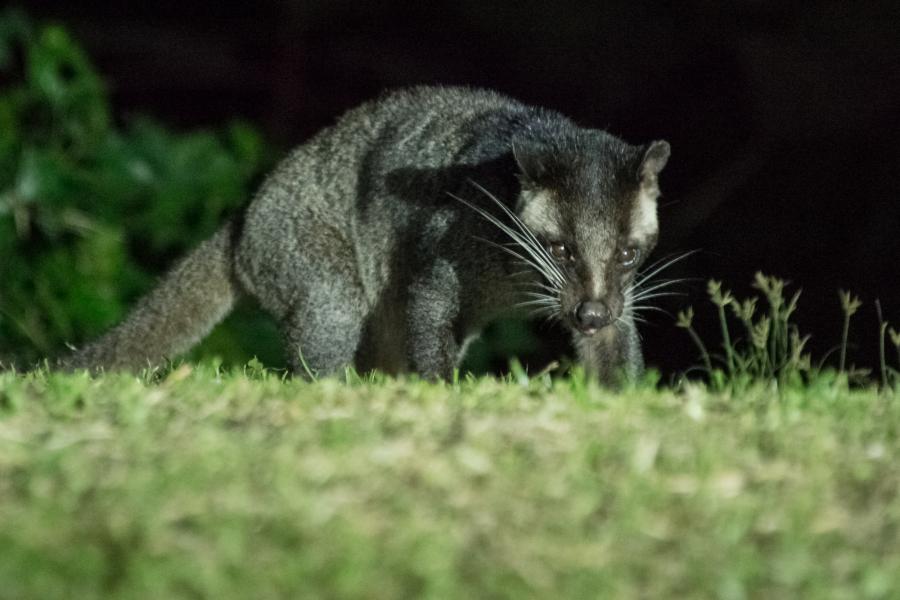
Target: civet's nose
591, 316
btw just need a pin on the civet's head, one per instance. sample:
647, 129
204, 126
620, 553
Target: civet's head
589, 199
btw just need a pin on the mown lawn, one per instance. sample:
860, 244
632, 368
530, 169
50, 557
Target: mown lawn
209, 486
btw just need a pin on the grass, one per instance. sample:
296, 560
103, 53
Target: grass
212, 485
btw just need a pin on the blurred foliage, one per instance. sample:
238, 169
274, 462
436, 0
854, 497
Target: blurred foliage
73, 182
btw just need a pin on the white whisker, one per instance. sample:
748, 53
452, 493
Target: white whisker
642, 297
535, 303
542, 286
656, 268
657, 285
539, 295
537, 266
637, 310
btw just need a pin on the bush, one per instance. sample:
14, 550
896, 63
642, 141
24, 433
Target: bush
90, 211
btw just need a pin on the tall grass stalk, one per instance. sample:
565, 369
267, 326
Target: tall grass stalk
895, 340
685, 321
849, 304
721, 300
882, 330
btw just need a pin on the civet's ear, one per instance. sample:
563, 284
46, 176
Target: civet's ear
530, 160
655, 157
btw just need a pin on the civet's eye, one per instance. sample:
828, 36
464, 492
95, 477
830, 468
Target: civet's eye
559, 251
628, 257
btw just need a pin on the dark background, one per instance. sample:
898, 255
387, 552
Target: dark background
783, 117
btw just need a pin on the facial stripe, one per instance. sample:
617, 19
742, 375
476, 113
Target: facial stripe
596, 240
644, 222
599, 290
539, 212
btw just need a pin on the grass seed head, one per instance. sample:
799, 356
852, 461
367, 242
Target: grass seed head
760, 333
719, 296
685, 317
744, 310
895, 336
849, 303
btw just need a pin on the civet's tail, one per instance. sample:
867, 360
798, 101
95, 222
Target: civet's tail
189, 301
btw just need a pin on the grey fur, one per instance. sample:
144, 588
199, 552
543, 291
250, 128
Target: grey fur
367, 242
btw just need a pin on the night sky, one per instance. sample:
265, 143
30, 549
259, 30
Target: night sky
783, 119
